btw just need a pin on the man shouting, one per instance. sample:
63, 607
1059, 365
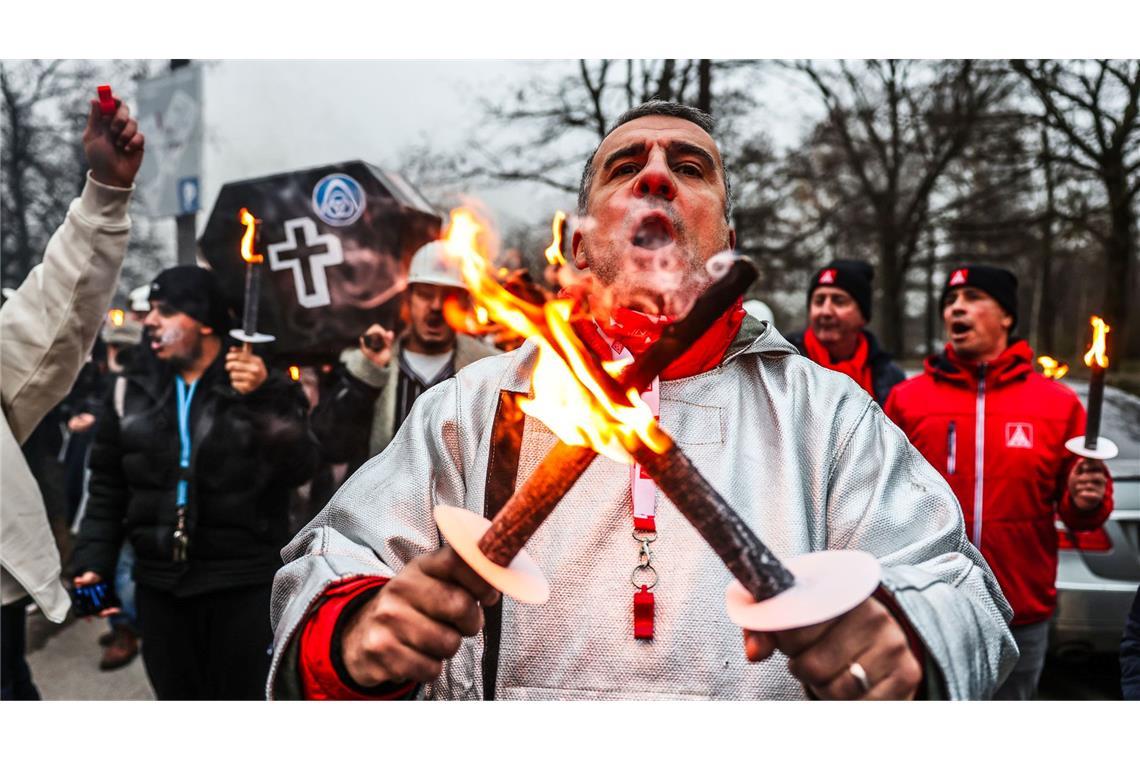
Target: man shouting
371, 605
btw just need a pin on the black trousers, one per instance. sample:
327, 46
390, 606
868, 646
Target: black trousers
208, 646
15, 676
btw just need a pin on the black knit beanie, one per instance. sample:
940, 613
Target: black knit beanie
1000, 284
194, 291
849, 275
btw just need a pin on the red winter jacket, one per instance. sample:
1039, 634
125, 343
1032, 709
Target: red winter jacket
1013, 478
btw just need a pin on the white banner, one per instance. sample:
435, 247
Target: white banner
170, 116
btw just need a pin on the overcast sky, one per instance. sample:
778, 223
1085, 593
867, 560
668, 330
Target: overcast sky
264, 117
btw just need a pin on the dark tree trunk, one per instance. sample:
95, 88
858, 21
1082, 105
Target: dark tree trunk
1046, 300
704, 91
891, 303
1118, 271
932, 310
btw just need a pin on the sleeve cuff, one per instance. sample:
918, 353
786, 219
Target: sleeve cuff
365, 371
103, 202
323, 673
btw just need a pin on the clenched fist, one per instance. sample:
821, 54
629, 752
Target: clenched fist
113, 145
247, 370
821, 656
1088, 481
417, 621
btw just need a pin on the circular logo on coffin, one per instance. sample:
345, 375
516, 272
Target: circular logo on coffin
338, 200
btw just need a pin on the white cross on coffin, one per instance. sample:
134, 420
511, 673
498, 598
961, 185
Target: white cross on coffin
319, 251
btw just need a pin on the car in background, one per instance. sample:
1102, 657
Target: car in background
1098, 571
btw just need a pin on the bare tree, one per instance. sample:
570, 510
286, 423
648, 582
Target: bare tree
563, 118
1092, 112
39, 173
876, 165
43, 110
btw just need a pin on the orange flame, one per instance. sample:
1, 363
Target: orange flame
117, 317
568, 398
1051, 368
294, 373
247, 251
1098, 351
554, 250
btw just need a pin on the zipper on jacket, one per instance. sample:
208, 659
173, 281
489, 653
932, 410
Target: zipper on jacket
979, 454
951, 448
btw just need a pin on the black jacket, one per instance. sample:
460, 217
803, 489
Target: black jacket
247, 454
885, 374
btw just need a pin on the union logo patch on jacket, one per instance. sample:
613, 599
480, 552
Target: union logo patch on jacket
1019, 435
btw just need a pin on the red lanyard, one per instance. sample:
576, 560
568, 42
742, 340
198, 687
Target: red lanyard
643, 492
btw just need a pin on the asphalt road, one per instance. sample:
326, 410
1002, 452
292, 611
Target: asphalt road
65, 663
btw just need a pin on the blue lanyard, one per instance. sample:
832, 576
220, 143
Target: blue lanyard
185, 397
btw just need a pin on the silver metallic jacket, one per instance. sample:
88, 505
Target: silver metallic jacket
805, 456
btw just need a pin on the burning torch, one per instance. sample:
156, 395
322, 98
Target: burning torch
248, 333
553, 251
1092, 445
1051, 368
767, 595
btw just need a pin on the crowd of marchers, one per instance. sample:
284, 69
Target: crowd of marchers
182, 455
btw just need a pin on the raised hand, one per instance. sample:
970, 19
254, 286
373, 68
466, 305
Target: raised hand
113, 145
376, 345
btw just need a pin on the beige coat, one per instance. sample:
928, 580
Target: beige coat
46, 332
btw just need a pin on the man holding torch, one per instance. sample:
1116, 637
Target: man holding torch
195, 455
372, 605
996, 430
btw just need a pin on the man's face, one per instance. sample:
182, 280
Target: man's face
174, 337
656, 215
833, 315
425, 312
976, 325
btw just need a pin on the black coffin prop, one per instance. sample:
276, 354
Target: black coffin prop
337, 240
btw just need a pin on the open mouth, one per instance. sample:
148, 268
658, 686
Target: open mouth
960, 328
655, 231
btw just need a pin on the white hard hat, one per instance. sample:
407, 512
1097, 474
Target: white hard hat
140, 298
433, 266
759, 310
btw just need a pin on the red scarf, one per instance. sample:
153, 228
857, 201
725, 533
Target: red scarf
855, 368
637, 332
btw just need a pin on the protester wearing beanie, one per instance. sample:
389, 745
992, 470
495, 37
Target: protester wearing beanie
194, 462
996, 430
839, 308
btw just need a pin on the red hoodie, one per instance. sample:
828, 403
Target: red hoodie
1012, 477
